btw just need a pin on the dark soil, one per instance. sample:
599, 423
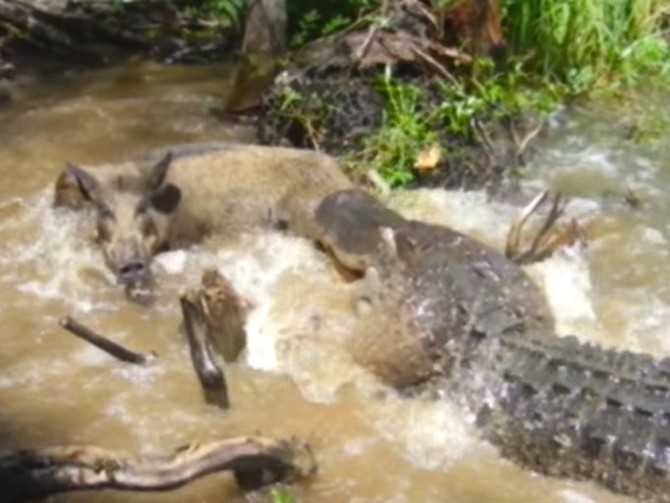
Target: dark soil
334, 111
329, 100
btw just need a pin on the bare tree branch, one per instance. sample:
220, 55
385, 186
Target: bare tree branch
255, 461
102, 342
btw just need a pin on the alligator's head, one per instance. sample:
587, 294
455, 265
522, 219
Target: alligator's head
133, 213
350, 223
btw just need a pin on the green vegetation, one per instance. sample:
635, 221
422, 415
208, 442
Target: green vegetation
312, 19
392, 149
230, 12
581, 44
411, 124
578, 44
307, 113
281, 495
556, 50
589, 43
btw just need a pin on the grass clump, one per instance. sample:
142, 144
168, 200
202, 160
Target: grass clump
280, 495
588, 43
312, 19
392, 150
418, 118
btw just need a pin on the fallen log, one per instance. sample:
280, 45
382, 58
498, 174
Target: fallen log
102, 342
27, 474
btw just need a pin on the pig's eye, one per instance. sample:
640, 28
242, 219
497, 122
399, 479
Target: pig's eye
142, 207
105, 227
147, 225
105, 213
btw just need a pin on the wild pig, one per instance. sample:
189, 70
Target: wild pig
179, 195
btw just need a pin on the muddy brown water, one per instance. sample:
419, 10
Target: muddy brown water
296, 377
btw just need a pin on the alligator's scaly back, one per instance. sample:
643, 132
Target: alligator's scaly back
572, 409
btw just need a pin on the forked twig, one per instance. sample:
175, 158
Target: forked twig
544, 243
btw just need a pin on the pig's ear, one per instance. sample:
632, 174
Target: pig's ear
157, 173
166, 199
88, 184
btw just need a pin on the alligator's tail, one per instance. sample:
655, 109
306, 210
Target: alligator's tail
571, 409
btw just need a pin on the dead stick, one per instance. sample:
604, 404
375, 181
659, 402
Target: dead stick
212, 379
36, 473
101, 342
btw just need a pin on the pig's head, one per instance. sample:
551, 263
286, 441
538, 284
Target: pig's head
133, 215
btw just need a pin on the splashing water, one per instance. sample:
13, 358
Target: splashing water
297, 377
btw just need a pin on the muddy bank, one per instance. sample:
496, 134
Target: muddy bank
300, 112
342, 93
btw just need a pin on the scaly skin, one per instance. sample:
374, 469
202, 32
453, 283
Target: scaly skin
578, 410
447, 307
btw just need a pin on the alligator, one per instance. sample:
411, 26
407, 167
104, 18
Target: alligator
458, 316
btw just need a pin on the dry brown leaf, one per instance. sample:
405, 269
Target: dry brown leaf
428, 158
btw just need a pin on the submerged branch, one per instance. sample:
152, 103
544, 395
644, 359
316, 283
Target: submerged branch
255, 461
211, 377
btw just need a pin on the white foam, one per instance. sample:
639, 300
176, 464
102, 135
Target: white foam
572, 496
61, 253
653, 236
172, 262
53, 255
433, 433
466, 211
566, 281
648, 318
